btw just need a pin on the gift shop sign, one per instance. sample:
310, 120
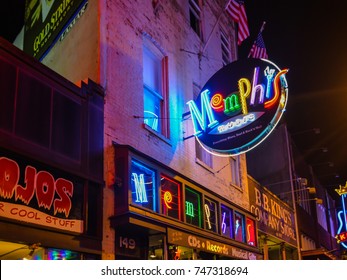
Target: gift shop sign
239, 106
36, 197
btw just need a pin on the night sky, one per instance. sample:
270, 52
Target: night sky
310, 39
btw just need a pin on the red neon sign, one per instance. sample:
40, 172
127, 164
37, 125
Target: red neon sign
47, 191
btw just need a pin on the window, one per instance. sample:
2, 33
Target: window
227, 222
250, 232
143, 190
225, 46
195, 16
201, 154
235, 171
193, 207
239, 227
303, 197
210, 210
321, 215
155, 84
33, 121
62, 254
170, 198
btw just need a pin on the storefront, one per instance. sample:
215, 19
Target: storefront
275, 221
51, 162
42, 211
161, 214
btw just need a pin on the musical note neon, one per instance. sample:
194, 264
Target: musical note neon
208, 216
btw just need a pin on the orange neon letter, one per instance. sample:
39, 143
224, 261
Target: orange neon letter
272, 101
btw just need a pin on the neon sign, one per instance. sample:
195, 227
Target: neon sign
140, 188
193, 213
251, 239
208, 216
143, 185
168, 199
39, 197
48, 192
190, 209
342, 217
210, 208
239, 106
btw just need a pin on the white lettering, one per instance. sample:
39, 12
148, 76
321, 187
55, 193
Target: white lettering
236, 123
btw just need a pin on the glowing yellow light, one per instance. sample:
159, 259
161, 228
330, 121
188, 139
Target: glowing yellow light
342, 190
245, 90
168, 199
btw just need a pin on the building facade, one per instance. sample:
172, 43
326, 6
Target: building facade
164, 197
288, 176
276, 223
51, 162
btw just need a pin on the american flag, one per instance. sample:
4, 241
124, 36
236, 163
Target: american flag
258, 49
237, 12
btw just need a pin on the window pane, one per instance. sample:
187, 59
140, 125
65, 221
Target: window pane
7, 89
170, 198
61, 254
154, 79
66, 128
192, 207
94, 209
33, 110
226, 222
152, 110
152, 70
194, 16
239, 227
143, 186
235, 172
225, 46
250, 232
203, 155
210, 210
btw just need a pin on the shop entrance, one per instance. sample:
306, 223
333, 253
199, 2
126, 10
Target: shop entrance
139, 243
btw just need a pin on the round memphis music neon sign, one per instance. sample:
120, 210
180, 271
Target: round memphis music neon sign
239, 106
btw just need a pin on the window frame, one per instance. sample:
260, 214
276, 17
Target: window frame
196, 11
225, 46
150, 45
235, 171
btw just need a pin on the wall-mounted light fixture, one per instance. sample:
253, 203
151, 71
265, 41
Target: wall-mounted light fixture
318, 200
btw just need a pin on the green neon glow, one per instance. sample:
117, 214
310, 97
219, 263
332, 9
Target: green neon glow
189, 209
196, 207
231, 104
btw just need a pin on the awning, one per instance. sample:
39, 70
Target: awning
319, 254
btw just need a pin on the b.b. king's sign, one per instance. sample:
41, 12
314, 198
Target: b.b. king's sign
239, 106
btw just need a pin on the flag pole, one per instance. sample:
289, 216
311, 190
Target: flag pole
214, 27
260, 31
